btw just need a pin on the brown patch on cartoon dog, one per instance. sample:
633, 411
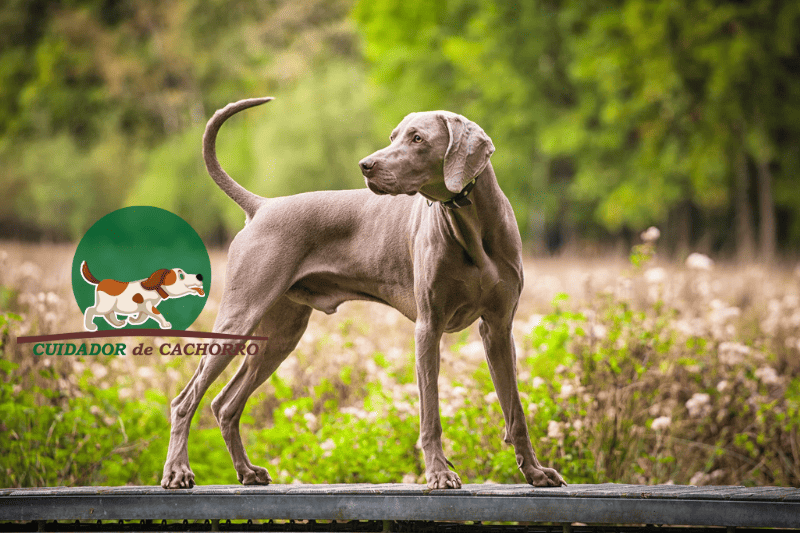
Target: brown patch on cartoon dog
155, 280
170, 278
138, 298
156, 311
112, 286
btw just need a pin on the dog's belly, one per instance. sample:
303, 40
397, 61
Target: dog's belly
326, 292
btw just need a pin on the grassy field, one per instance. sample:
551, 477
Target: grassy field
656, 373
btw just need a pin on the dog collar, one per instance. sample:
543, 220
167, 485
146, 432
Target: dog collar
461, 200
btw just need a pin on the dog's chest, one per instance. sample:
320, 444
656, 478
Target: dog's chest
466, 293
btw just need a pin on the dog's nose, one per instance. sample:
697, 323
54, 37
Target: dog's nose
366, 164
199, 277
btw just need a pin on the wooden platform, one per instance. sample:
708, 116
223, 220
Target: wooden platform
589, 504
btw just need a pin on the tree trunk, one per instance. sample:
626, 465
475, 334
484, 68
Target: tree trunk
766, 212
745, 242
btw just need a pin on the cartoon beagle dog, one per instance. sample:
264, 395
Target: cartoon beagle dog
138, 297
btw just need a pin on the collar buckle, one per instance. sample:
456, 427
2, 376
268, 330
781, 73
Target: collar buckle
461, 200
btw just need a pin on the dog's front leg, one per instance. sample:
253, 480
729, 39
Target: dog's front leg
156, 315
498, 341
427, 336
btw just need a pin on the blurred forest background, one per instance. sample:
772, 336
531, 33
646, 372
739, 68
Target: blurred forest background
608, 117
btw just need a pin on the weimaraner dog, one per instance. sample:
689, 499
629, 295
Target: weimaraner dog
444, 258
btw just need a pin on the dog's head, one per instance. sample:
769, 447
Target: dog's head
436, 153
174, 283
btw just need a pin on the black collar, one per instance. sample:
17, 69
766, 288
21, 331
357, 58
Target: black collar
461, 200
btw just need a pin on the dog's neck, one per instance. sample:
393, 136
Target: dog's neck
472, 226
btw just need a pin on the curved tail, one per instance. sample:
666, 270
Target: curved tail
88, 275
248, 201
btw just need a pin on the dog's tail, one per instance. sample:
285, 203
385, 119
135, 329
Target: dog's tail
88, 275
248, 201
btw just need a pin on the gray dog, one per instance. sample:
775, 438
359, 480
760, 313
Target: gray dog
443, 259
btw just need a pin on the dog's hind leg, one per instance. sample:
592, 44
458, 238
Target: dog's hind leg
177, 473
111, 318
251, 288
284, 324
139, 319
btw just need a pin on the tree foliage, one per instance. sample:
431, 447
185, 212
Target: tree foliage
608, 117
616, 114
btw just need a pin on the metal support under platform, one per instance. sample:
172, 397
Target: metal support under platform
399, 507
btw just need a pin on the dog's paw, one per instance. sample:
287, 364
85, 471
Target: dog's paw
544, 477
254, 475
165, 325
446, 479
177, 477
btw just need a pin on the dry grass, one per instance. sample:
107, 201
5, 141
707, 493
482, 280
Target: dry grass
748, 320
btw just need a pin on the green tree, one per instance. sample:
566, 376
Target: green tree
613, 115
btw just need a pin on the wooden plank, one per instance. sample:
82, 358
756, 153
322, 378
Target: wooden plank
594, 504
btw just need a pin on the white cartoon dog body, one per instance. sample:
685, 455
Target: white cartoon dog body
138, 297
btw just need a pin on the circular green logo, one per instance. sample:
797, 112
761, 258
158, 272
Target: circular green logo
140, 267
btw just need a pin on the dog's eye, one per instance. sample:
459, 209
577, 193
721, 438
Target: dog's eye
181, 275
417, 139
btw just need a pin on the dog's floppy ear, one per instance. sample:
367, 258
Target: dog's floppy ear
467, 153
156, 279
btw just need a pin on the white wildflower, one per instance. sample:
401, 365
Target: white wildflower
567, 390
732, 353
555, 430
722, 386
699, 405
697, 261
767, 375
311, 421
533, 321
491, 397
289, 412
474, 349
30, 270
144, 372
100, 371
599, 331
538, 382
655, 275
661, 423
651, 234
699, 478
